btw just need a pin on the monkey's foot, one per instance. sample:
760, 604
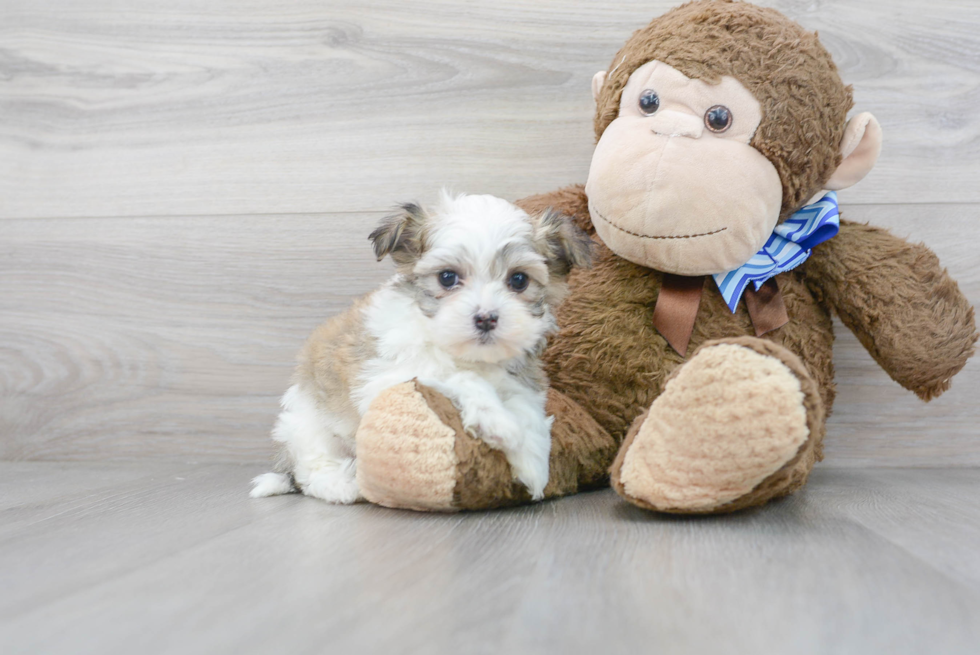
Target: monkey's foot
413, 453
739, 424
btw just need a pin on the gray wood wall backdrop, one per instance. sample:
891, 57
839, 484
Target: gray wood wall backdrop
186, 187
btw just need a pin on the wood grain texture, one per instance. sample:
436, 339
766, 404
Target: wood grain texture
140, 108
172, 338
178, 559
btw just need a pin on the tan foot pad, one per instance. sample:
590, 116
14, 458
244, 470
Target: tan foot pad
406, 455
730, 418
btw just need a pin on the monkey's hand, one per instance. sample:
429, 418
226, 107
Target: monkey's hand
899, 302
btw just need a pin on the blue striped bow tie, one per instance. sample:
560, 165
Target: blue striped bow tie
788, 247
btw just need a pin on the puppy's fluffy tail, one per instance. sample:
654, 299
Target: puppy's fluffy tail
272, 484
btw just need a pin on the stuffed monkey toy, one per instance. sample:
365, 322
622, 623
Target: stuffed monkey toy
693, 368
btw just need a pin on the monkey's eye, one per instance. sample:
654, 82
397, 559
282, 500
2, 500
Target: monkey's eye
649, 102
448, 279
718, 118
518, 281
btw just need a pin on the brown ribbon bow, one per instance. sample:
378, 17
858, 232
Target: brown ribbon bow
680, 297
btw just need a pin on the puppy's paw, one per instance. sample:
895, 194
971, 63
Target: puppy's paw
335, 484
496, 428
530, 462
271, 484
530, 467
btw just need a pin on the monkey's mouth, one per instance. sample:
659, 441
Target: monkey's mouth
596, 212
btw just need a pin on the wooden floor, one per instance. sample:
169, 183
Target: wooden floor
168, 558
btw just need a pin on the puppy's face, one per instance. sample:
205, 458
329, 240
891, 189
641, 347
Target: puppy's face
483, 272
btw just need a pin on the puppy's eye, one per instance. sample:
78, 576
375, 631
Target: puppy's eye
649, 102
518, 282
448, 279
718, 118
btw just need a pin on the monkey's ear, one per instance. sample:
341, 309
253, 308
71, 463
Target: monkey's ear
401, 235
597, 81
561, 242
860, 148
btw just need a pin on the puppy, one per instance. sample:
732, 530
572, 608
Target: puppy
467, 313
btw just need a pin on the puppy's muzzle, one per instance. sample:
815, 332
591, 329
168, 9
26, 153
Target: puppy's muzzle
486, 322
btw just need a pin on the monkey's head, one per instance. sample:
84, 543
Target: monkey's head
715, 122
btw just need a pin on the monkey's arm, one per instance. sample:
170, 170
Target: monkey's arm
899, 302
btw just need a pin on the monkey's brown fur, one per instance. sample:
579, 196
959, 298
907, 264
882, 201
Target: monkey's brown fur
608, 364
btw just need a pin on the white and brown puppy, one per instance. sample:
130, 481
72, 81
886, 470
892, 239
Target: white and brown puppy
467, 313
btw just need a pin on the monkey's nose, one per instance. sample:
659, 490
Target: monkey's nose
485, 322
669, 122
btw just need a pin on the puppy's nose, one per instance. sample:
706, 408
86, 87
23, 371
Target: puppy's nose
485, 322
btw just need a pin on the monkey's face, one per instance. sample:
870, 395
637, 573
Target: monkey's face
674, 184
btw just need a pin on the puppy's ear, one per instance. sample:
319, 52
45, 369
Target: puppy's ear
401, 235
561, 242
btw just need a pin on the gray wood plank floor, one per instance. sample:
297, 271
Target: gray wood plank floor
164, 558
